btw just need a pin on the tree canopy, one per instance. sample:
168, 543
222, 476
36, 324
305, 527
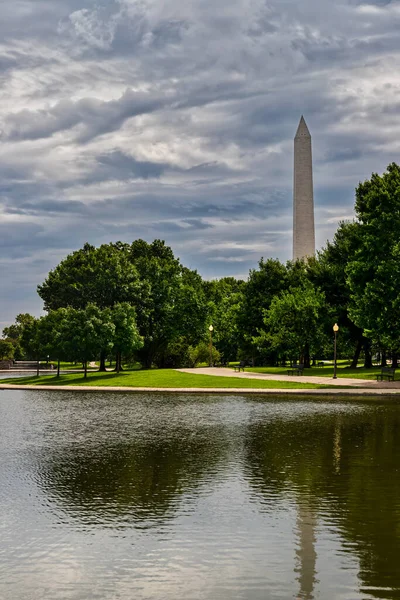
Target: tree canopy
374, 271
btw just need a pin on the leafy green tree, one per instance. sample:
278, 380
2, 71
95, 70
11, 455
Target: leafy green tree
103, 276
6, 349
293, 324
30, 341
126, 335
52, 343
262, 286
172, 302
85, 333
14, 333
201, 354
328, 272
168, 298
374, 270
225, 297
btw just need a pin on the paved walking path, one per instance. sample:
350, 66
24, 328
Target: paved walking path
341, 381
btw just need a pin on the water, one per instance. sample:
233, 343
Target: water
117, 496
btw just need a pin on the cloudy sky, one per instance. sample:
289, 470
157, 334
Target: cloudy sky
170, 119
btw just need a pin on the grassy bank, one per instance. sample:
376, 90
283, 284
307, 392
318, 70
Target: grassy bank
160, 378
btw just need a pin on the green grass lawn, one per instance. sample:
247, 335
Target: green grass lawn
70, 366
160, 378
327, 371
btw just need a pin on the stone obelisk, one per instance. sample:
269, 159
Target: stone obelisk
303, 195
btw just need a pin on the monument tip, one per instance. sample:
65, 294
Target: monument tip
302, 130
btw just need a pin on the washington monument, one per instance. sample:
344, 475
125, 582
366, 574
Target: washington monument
303, 196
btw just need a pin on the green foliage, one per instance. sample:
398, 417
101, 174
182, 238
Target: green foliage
104, 276
168, 299
262, 286
85, 333
374, 271
30, 341
126, 339
328, 272
172, 302
13, 333
225, 297
6, 350
201, 354
293, 321
49, 332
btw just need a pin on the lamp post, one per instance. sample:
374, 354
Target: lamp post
211, 329
335, 330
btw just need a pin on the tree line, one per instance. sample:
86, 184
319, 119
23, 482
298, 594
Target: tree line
137, 301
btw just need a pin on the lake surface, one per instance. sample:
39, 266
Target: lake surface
117, 496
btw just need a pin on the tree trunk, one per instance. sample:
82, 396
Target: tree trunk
383, 358
356, 354
307, 363
118, 362
394, 361
148, 361
58, 368
37, 368
367, 354
102, 367
85, 368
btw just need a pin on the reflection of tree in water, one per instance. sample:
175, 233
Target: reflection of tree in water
349, 462
138, 482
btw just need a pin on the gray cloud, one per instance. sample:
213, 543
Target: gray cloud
122, 119
95, 116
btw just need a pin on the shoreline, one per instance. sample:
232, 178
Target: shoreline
225, 391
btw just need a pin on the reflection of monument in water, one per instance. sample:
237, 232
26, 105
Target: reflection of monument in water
303, 195
307, 522
306, 553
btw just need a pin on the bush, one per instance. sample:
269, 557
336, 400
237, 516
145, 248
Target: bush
6, 350
201, 354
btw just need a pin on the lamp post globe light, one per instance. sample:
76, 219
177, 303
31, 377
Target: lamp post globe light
211, 329
335, 330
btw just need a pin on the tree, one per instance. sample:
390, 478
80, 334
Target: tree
292, 324
328, 272
14, 333
374, 270
85, 333
126, 335
30, 341
262, 286
49, 332
201, 354
225, 297
172, 302
104, 276
6, 349
168, 299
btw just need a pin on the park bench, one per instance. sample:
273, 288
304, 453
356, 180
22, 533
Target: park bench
296, 370
240, 366
386, 372
320, 364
